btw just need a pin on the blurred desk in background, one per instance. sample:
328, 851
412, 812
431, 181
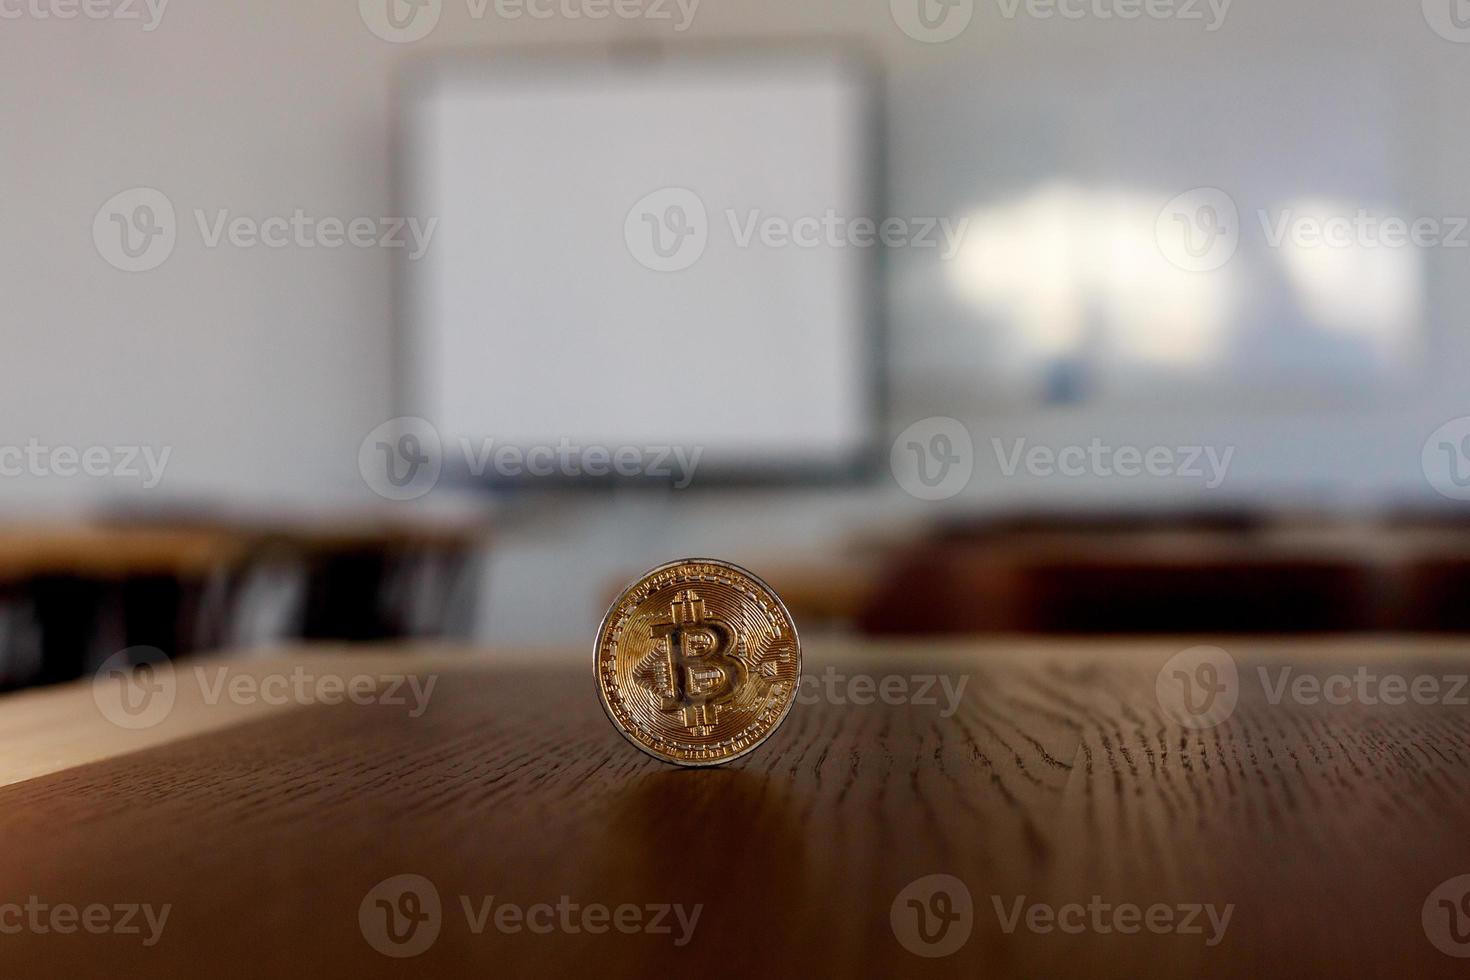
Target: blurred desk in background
1053, 776
1146, 575
73, 594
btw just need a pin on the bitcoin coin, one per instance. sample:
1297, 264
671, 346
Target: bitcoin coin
697, 662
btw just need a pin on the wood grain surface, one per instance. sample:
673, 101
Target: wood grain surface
1060, 777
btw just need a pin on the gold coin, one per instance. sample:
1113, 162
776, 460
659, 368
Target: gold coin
697, 662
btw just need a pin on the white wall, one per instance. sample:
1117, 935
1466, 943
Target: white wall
263, 369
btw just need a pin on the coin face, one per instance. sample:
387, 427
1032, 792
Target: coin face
697, 662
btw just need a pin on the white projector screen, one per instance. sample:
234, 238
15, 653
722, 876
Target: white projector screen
544, 311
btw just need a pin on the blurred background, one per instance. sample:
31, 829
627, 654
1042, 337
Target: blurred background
445, 318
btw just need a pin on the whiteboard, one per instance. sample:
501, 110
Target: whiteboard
573, 292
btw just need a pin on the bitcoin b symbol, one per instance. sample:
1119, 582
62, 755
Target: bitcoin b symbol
690, 668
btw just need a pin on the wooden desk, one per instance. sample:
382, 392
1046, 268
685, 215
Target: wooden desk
72, 594
1153, 576
1059, 778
